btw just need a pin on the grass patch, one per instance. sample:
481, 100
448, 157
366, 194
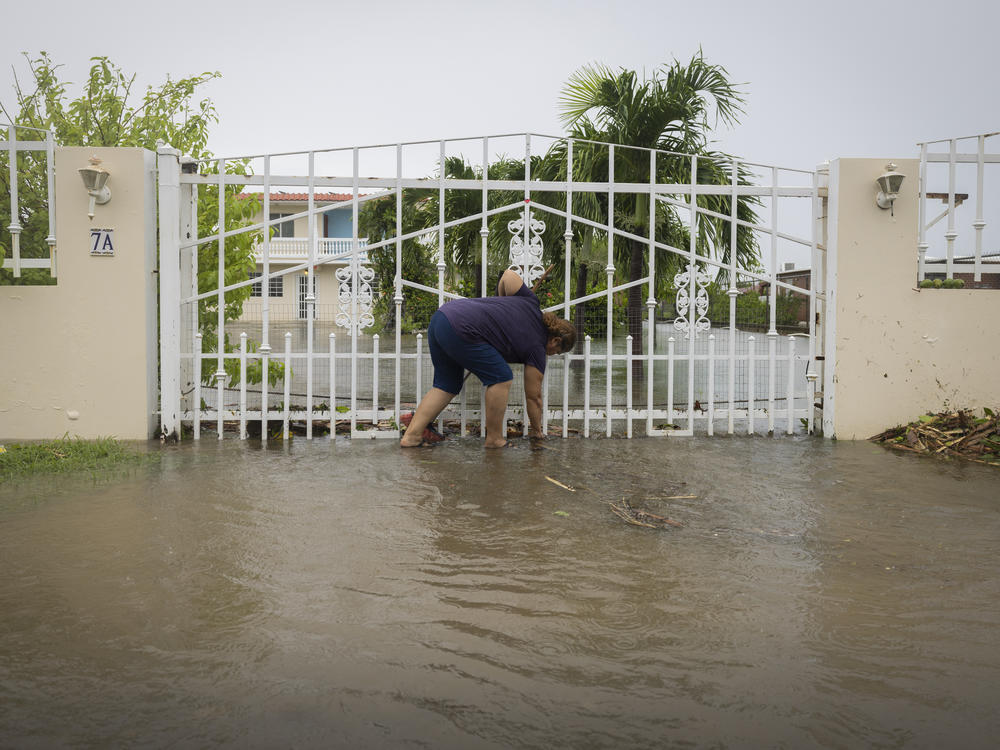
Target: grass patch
68, 455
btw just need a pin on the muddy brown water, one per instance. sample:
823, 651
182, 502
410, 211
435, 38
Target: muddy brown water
340, 594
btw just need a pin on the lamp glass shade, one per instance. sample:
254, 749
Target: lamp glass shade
890, 182
94, 178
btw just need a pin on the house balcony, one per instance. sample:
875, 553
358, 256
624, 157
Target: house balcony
296, 249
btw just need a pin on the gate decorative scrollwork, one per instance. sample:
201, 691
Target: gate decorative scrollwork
355, 295
683, 303
526, 259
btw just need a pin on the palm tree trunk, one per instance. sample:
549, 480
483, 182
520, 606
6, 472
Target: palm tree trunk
634, 309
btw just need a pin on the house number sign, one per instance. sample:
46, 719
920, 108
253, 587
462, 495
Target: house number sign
102, 241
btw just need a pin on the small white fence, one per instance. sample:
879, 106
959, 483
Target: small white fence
718, 375
953, 172
38, 177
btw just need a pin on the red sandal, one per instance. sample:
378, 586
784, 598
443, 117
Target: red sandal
430, 436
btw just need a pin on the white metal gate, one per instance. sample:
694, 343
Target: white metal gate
700, 365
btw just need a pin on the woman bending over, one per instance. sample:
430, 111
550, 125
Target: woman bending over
483, 335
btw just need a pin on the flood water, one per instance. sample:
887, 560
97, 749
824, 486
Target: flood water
349, 594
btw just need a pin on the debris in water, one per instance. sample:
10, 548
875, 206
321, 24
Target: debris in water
957, 433
537, 444
515, 430
560, 513
557, 482
639, 517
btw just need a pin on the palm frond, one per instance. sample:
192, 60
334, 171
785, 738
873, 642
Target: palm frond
582, 92
699, 80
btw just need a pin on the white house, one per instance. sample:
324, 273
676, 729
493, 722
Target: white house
289, 246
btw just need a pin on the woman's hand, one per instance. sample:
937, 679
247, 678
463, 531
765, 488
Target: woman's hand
533, 400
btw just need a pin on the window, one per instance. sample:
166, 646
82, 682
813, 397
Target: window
275, 288
285, 228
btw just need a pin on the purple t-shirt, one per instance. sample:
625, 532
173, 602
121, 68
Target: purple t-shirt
511, 325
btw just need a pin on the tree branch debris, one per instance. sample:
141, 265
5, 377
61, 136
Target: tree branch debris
959, 433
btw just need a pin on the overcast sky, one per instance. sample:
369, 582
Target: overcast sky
822, 79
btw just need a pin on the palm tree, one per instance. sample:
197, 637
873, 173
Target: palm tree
462, 242
377, 219
671, 111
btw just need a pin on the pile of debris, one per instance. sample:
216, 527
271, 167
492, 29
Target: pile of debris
639, 517
958, 433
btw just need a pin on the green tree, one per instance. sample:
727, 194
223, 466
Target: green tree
462, 242
107, 111
377, 220
673, 110
104, 113
33, 214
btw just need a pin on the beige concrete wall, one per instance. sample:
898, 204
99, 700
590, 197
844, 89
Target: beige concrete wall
286, 306
252, 305
301, 224
80, 357
327, 290
900, 351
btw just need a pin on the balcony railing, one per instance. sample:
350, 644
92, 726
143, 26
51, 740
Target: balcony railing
297, 248
958, 164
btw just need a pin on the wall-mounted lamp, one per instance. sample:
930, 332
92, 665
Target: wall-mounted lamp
888, 183
95, 179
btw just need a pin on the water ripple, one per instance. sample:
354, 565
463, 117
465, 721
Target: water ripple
346, 594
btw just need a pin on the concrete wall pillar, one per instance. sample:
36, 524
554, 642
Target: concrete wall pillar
897, 351
80, 357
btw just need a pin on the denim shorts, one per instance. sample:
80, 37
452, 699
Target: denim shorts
452, 356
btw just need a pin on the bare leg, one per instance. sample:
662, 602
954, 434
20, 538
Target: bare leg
496, 405
430, 406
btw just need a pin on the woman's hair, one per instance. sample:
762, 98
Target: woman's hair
562, 328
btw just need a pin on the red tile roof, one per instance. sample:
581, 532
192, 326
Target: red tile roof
302, 197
